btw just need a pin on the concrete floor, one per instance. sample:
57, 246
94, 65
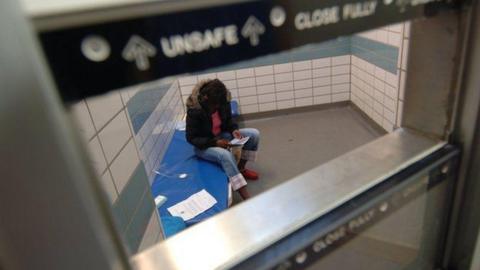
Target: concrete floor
294, 143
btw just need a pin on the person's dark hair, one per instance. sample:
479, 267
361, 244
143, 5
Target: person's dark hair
215, 91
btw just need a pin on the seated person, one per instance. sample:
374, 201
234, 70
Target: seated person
210, 128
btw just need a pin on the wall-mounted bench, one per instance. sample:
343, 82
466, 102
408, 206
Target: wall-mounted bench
182, 174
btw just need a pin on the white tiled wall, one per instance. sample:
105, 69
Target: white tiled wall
377, 92
154, 136
105, 126
402, 70
283, 86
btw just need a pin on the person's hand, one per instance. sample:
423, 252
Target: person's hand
236, 133
223, 143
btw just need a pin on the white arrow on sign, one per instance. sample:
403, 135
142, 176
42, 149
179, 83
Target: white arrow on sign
252, 29
139, 50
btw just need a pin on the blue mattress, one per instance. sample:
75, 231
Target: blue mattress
200, 174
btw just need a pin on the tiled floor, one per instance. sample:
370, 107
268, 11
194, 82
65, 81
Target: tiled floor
294, 143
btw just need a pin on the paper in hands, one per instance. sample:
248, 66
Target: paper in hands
239, 142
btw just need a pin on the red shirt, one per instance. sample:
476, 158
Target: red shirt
216, 124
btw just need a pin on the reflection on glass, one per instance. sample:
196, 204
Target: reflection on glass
407, 239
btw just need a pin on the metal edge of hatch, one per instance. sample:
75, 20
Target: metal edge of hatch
361, 209
53, 209
464, 225
287, 207
62, 15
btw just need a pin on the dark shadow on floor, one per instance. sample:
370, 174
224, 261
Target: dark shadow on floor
294, 143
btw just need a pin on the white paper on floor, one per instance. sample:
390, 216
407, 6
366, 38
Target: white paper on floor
193, 205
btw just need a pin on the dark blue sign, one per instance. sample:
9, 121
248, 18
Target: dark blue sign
94, 59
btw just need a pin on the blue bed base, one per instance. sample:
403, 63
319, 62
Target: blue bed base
180, 159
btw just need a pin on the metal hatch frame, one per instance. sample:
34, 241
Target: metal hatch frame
41, 210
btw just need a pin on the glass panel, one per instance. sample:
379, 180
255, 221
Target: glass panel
331, 90
408, 239
399, 224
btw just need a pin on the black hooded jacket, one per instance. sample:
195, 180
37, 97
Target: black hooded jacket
199, 121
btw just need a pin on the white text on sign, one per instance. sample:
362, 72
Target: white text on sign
197, 41
319, 17
331, 15
359, 10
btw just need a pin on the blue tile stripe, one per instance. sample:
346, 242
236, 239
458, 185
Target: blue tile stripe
134, 207
139, 223
377, 53
337, 47
133, 191
141, 106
